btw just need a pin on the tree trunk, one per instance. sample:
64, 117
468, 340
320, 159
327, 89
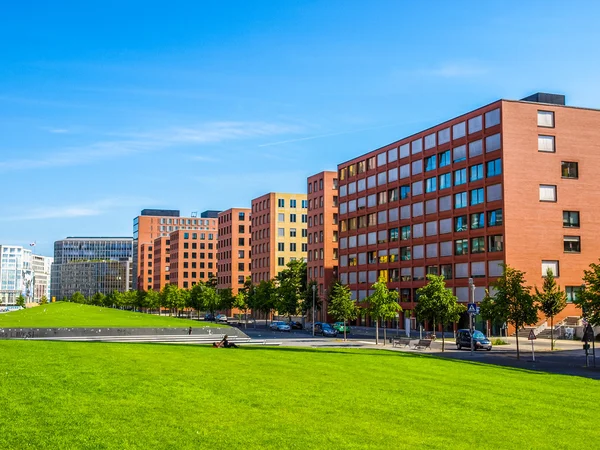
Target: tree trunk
517, 335
551, 333
384, 332
443, 340
377, 332
344, 330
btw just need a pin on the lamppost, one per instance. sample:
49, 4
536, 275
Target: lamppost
314, 289
471, 316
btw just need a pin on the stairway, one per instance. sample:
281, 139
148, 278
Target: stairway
524, 332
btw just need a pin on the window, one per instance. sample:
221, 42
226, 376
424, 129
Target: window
492, 143
430, 163
292, 246
431, 184
571, 219
444, 158
305, 203
405, 253
281, 261
475, 124
459, 153
443, 136
292, 203
460, 200
416, 146
445, 181
477, 196
461, 247
392, 174
478, 245
569, 169
281, 232
281, 203
292, 232
393, 155
382, 198
572, 244
494, 167
393, 195
417, 166
458, 130
393, 237
492, 118
371, 163
405, 233
545, 119
292, 218
460, 177
417, 188
429, 141
572, 293
552, 265
546, 144
404, 191
460, 223
475, 148
477, 221
495, 243
476, 172
281, 217
381, 159
547, 193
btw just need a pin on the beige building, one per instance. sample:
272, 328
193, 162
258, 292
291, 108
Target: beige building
278, 233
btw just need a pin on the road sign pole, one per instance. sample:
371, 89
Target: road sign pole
532, 351
472, 300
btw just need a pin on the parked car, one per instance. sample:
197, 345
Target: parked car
480, 341
209, 316
221, 318
339, 326
280, 326
325, 329
296, 325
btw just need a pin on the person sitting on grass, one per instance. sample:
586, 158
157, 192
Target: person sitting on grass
224, 343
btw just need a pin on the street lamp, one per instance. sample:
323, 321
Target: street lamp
314, 289
472, 299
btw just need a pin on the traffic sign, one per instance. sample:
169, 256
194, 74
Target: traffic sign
472, 308
588, 334
532, 336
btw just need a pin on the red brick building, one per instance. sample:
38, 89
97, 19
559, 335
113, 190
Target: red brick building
512, 182
193, 256
162, 261
322, 260
234, 248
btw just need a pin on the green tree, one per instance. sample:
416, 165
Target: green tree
21, 301
169, 297
382, 305
183, 301
437, 304
512, 301
97, 299
196, 298
43, 300
263, 299
210, 299
152, 300
341, 306
291, 284
226, 299
552, 300
212, 281
239, 302
588, 298
78, 297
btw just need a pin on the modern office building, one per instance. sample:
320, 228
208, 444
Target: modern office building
278, 233
16, 274
511, 182
41, 266
154, 223
162, 260
322, 260
91, 264
234, 248
193, 256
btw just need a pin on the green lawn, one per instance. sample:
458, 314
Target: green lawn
63, 395
74, 315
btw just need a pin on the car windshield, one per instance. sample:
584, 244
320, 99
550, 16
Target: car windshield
478, 335
326, 325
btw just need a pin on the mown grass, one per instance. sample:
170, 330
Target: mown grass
74, 315
64, 395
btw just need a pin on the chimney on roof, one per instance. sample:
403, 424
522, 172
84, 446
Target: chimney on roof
543, 97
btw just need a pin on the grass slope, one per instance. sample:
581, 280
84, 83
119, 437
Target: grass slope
149, 396
73, 315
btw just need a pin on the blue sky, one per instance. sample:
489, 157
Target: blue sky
110, 107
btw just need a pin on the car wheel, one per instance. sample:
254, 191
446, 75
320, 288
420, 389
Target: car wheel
489, 348
458, 347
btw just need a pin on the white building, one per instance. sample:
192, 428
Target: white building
16, 274
41, 266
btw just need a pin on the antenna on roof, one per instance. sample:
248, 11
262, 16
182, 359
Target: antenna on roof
194, 213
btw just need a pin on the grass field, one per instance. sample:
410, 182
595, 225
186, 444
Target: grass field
63, 395
74, 315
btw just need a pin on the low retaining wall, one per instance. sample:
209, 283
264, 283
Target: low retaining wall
28, 333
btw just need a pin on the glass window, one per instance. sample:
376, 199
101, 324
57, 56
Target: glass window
571, 219
446, 271
545, 119
496, 243
547, 193
477, 221
392, 174
546, 144
569, 169
404, 150
429, 141
430, 163
381, 178
443, 136
431, 184
460, 200
477, 196
444, 158
445, 181
393, 155
492, 118
417, 166
460, 223
494, 167
460, 177
417, 146
405, 254
459, 153
475, 124
361, 185
478, 245
417, 188
572, 292
405, 233
371, 182
458, 130
393, 234
475, 148
492, 143
552, 265
393, 195
461, 247
371, 163
381, 159
476, 172
404, 191
572, 244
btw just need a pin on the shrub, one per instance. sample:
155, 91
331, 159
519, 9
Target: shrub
499, 341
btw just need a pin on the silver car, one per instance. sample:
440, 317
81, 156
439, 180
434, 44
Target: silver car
280, 326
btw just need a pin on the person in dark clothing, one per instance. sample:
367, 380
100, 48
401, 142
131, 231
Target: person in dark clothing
190, 331
224, 343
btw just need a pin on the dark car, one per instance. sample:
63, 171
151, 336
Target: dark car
480, 341
296, 325
325, 329
209, 316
